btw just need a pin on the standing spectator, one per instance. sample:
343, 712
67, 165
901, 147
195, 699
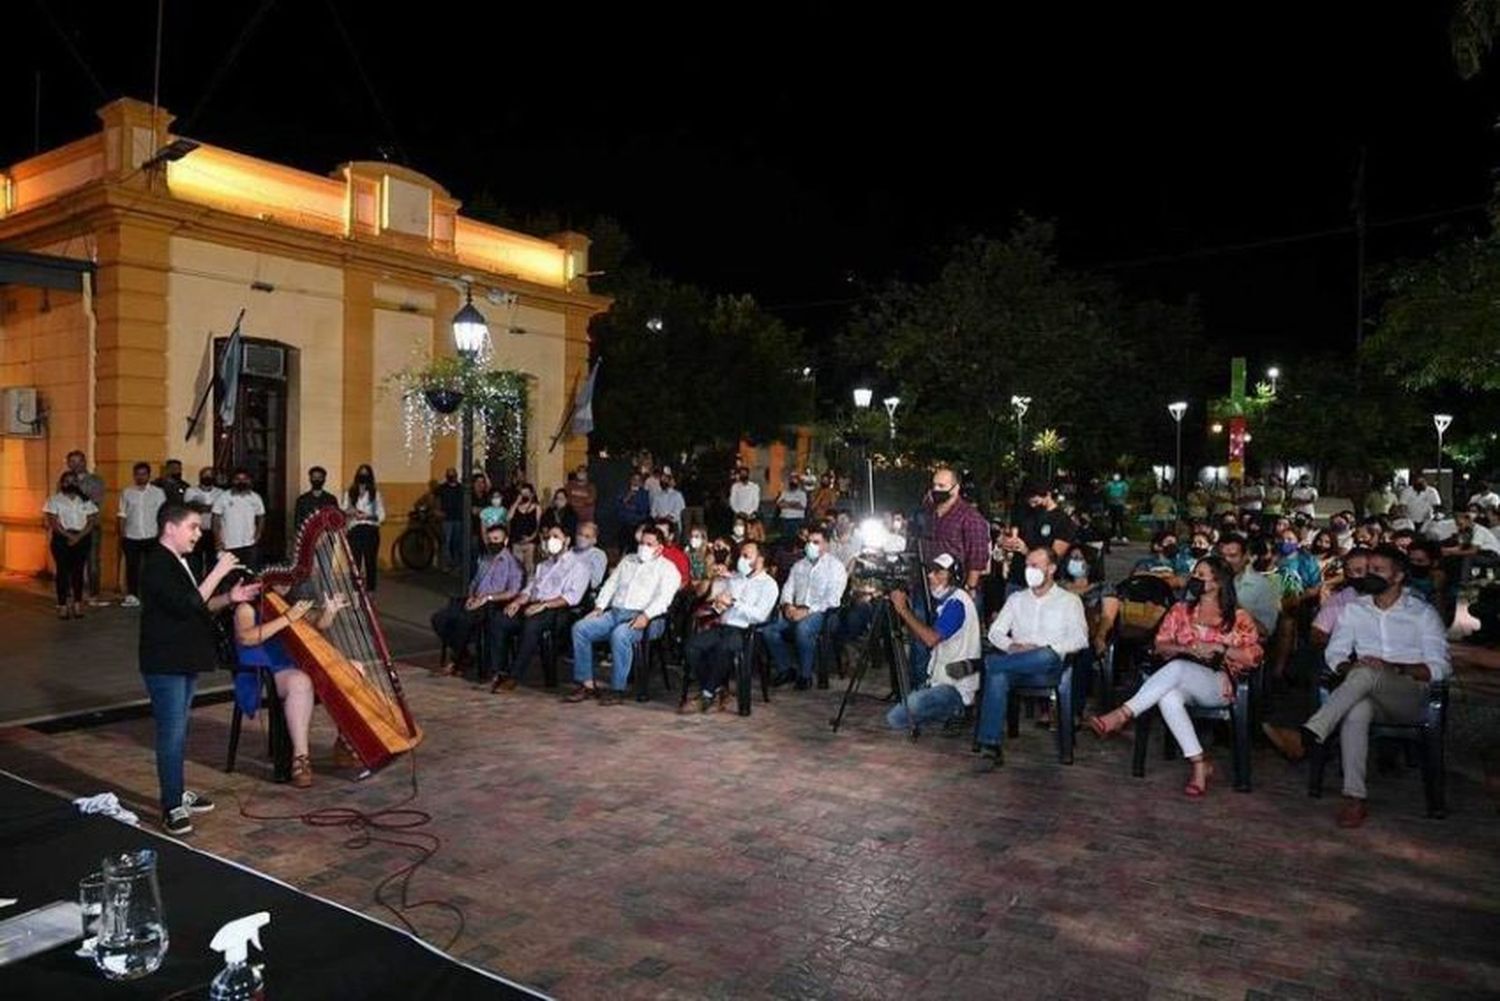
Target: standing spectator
1039, 522
139, 503
365, 509
1275, 505
171, 482
1163, 508
525, 520
1305, 497
1116, 496
1485, 498
1197, 502
480, 496
492, 511
1252, 499
239, 520
71, 519
668, 502
314, 499
791, 507
92, 485
824, 499
450, 502
202, 498
632, 508
560, 514
1419, 499
744, 495
178, 640
582, 495
956, 527
1379, 500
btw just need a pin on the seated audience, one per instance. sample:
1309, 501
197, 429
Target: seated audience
640, 589
952, 644
497, 580
814, 586
559, 584
747, 599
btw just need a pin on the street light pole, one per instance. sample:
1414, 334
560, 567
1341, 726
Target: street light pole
469, 333
1441, 422
863, 397
1177, 410
1020, 404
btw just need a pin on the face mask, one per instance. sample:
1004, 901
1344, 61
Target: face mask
941, 496
241, 488
493, 547
495, 501
1195, 586
1169, 550
645, 552
208, 481
739, 531
1199, 551
553, 545
364, 478
1321, 548
812, 551
1420, 573
1077, 569
1287, 548
898, 526
1370, 584
696, 542
584, 545
1035, 577
450, 479
743, 566
744, 479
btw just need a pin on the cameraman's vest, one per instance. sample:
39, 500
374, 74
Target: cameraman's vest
962, 645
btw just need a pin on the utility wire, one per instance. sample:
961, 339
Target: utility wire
72, 49
223, 68
364, 77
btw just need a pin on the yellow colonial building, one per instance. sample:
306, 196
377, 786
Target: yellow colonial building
123, 271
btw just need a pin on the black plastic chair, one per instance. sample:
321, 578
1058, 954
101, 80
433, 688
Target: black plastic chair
278, 739
1129, 644
650, 649
1064, 709
1425, 739
1237, 714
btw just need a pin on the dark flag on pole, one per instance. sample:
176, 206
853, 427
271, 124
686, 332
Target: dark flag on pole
226, 382
578, 416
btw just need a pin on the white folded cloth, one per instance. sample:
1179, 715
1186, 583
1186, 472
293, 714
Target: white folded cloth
108, 804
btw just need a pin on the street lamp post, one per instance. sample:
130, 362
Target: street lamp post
891, 403
863, 397
1020, 404
1441, 422
469, 333
1177, 410
1274, 374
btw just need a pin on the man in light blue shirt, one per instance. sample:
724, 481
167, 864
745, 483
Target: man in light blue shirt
748, 600
587, 547
558, 585
814, 586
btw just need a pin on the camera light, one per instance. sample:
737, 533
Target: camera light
873, 534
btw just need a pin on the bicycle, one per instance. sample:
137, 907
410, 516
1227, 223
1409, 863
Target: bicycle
417, 547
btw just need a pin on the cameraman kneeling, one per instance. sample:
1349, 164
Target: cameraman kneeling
953, 639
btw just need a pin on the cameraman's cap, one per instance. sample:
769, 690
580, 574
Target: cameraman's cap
944, 561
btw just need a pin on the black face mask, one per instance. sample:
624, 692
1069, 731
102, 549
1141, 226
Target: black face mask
241, 488
205, 481
1195, 586
493, 547
941, 496
1370, 584
73, 489
1169, 550
1199, 551
1419, 572
317, 485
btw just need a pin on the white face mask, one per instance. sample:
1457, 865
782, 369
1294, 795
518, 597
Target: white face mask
495, 501
554, 545
739, 531
645, 552
696, 541
744, 566
812, 551
584, 545
1077, 568
1035, 577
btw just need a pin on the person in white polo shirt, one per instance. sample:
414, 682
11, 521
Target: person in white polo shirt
202, 498
71, 518
139, 503
239, 518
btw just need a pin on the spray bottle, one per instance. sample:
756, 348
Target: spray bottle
238, 981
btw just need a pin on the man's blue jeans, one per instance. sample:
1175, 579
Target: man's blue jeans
453, 538
613, 624
806, 633
929, 705
171, 701
1001, 670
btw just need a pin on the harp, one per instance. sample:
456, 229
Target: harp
350, 664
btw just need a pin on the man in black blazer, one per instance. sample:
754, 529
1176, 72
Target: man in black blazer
178, 640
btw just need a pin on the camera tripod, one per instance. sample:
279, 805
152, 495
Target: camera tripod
882, 637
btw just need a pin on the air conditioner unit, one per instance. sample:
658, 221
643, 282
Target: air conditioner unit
265, 361
22, 417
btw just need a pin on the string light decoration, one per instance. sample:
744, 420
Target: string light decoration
431, 395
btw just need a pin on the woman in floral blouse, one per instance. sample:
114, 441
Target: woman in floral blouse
1207, 641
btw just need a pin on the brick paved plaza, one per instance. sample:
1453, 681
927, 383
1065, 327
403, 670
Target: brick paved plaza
630, 852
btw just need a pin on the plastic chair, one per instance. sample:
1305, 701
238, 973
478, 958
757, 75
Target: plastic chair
1425, 738
1144, 600
1236, 713
1065, 708
278, 740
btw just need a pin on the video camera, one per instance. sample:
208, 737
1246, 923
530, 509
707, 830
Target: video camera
883, 564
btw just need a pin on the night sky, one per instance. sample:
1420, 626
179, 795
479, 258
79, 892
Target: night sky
806, 158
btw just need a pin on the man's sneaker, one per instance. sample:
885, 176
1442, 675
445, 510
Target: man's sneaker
130, 601
196, 802
178, 822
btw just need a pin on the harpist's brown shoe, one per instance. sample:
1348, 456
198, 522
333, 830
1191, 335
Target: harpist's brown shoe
302, 771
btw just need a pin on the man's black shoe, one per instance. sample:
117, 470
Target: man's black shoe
803, 684
783, 678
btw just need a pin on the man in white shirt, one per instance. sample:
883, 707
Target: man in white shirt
239, 518
640, 589
1252, 497
139, 503
952, 642
1304, 497
1034, 631
1391, 645
667, 502
791, 506
744, 494
747, 600
587, 547
1472, 539
1419, 499
202, 498
1485, 498
1440, 526
814, 586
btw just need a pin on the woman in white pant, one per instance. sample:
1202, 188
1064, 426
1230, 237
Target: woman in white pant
1206, 628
